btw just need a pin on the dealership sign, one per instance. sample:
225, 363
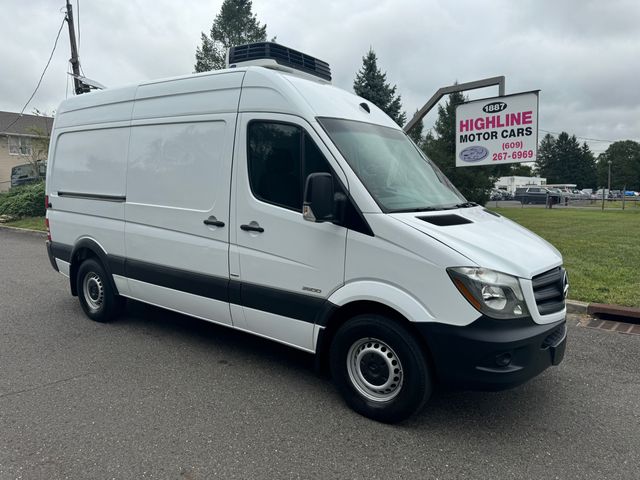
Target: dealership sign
497, 130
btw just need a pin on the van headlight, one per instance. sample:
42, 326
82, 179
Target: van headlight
495, 294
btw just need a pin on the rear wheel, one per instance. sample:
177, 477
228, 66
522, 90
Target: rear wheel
97, 298
380, 369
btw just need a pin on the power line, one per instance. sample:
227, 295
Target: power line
581, 138
6, 129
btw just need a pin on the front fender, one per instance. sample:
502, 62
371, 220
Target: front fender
385, 294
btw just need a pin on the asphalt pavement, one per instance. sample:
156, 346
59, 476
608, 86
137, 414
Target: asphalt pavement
161, 395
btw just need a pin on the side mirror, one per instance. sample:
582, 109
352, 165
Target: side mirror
318, 204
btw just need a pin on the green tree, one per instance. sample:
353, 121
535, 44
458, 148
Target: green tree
563, 160
586, 175
416, 133
371, 83
625, 165
521, 170
567, 159
440, 146
39, 144
234, 25
563, 152
546, 154
39, 148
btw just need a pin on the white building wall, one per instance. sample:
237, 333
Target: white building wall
512, 182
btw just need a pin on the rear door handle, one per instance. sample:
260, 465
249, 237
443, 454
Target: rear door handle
213, 221
252, 227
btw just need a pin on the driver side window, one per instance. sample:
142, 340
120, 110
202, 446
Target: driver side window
280, 157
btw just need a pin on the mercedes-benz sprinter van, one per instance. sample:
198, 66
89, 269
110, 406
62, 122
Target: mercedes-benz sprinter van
263, 198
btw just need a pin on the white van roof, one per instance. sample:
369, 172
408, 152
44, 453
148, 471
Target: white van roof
263, 90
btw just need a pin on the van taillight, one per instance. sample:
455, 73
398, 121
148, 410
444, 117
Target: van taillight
46, 220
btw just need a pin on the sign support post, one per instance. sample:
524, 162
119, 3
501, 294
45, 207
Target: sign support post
458, 87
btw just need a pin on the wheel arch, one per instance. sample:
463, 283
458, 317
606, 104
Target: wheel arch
84, 249
368, 298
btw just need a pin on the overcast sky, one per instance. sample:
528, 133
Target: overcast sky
583, 55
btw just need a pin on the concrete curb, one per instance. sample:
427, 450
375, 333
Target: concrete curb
595, 309
574, 306
26, 231
629, 313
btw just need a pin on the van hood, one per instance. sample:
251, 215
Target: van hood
487, 239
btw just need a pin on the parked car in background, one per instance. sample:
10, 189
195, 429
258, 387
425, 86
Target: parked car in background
497, 194
603, 192
537, 195
616, 194
27, 173
582, 194
572, 193
506, 195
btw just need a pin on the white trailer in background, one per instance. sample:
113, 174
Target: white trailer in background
510, 183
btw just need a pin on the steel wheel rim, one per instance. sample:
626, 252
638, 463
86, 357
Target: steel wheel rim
93, 290
374, 369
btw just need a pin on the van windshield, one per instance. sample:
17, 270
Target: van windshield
398, 176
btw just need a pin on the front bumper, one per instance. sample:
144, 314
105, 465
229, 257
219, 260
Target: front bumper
493, 354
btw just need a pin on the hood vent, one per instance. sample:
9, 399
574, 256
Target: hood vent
492, 213
445, 220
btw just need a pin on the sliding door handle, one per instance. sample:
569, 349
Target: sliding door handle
252, 227
213, 221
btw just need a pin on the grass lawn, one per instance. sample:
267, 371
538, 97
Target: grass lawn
34, 223
601, 250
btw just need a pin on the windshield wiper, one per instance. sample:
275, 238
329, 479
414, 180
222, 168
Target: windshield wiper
466, 205
436, 209
420, 209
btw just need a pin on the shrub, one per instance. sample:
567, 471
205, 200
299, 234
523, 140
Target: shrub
23, 201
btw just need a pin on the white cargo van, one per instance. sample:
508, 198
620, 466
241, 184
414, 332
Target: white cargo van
263, 198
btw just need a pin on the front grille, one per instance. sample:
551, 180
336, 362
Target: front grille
548, 290
555, 337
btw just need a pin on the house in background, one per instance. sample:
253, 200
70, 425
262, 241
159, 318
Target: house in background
16, 141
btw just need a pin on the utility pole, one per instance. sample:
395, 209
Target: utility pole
75, 62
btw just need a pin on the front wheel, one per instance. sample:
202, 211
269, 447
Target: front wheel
380, 369
97, 297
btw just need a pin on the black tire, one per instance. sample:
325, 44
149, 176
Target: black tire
369, 340
97, 297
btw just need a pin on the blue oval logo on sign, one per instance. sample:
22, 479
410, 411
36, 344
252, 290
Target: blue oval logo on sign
473, 154
494, 107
